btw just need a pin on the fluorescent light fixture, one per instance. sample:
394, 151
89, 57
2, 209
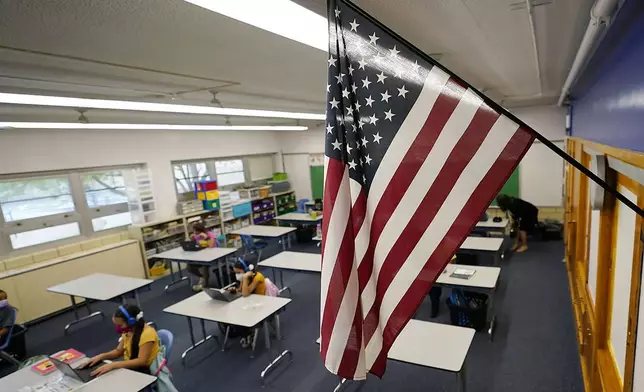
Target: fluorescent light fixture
156, 127
87, 103
281, 17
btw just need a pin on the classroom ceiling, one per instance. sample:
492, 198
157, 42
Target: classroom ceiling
173, 51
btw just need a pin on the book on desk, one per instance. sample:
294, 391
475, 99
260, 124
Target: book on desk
463, 273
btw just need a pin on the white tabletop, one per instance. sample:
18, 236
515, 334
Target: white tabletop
489, 244
441, 346
246, 311
299, 216
100, 287
204, 256
490, 224
122, 380
264, 231
299, 261
484, 277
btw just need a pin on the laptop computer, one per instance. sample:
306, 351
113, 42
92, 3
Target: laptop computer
221, 295
190, 246
83, 374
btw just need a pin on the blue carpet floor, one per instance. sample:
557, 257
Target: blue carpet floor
534, 346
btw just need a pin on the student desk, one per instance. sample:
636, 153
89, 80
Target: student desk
450, 347
299, 218
490, 226
492, 245
99, 287
296, 261
205, 257
122, 380
246, 312
260, 231
484, 281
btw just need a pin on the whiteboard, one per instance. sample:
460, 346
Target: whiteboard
541, 176
622, 281
299, 174
638, 378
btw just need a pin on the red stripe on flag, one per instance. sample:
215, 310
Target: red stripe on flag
405, 173
479, 200
457, 161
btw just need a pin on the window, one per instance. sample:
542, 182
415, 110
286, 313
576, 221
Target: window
230, 172
186, 174
38, 210
106, 197
35, 198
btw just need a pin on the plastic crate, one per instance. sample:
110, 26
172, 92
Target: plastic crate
472, 314
265, 191
280, 176
211, 205
242, 209
203, 186
208, 195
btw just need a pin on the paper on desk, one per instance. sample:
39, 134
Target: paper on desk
54, 384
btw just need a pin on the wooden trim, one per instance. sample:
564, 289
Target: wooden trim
634, 303
628, 156
628, 183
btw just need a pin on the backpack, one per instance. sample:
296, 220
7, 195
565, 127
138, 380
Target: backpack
271, 288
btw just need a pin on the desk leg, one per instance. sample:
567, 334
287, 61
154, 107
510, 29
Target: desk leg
136, 297
223, 347
461, 382
282, 286
284, 354
192, 339
174, 281
491, 315
340, 385
81, 319
284, 239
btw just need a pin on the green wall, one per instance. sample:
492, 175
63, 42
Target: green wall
317, 182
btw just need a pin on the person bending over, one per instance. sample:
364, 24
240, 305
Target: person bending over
524, 214
139, 344
206, 239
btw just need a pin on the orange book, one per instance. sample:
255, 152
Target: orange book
69, 355
46, 366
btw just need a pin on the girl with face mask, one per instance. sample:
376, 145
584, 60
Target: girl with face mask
139, 343
250, 281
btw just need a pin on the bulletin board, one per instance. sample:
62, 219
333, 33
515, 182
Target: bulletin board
316, 166
511, 187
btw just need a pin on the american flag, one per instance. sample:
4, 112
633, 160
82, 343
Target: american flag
413, 158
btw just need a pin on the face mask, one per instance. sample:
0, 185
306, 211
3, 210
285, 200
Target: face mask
4, 303
121, 329
239, 277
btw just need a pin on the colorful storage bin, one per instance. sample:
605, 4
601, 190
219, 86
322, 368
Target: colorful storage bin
211, 204
208, 195
203, 186
242, 209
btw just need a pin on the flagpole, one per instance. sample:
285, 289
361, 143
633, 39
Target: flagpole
504, 111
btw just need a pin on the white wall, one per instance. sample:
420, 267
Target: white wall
40, 150
541, 171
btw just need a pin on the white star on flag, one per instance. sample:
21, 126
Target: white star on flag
393, 51
354, 25
377, 137
402, 92
358, 106
367, 160
329, 128
336, 145
373, 119
385, 96
361, 64
328, 86
366, 82
345, 93
389, 115
364, 142
339, 77
337, 12
334, 103
369, 100
349, 148
415, 66
352, 164
373, 38
354, 87
381, 77
332, 61
351, 69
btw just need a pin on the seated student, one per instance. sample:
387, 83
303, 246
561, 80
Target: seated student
206, 239
250, 281
7, 316
139, 344
524, 214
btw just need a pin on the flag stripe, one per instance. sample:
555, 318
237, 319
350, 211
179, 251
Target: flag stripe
338, 199
469, 180
461, 138
490, 184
